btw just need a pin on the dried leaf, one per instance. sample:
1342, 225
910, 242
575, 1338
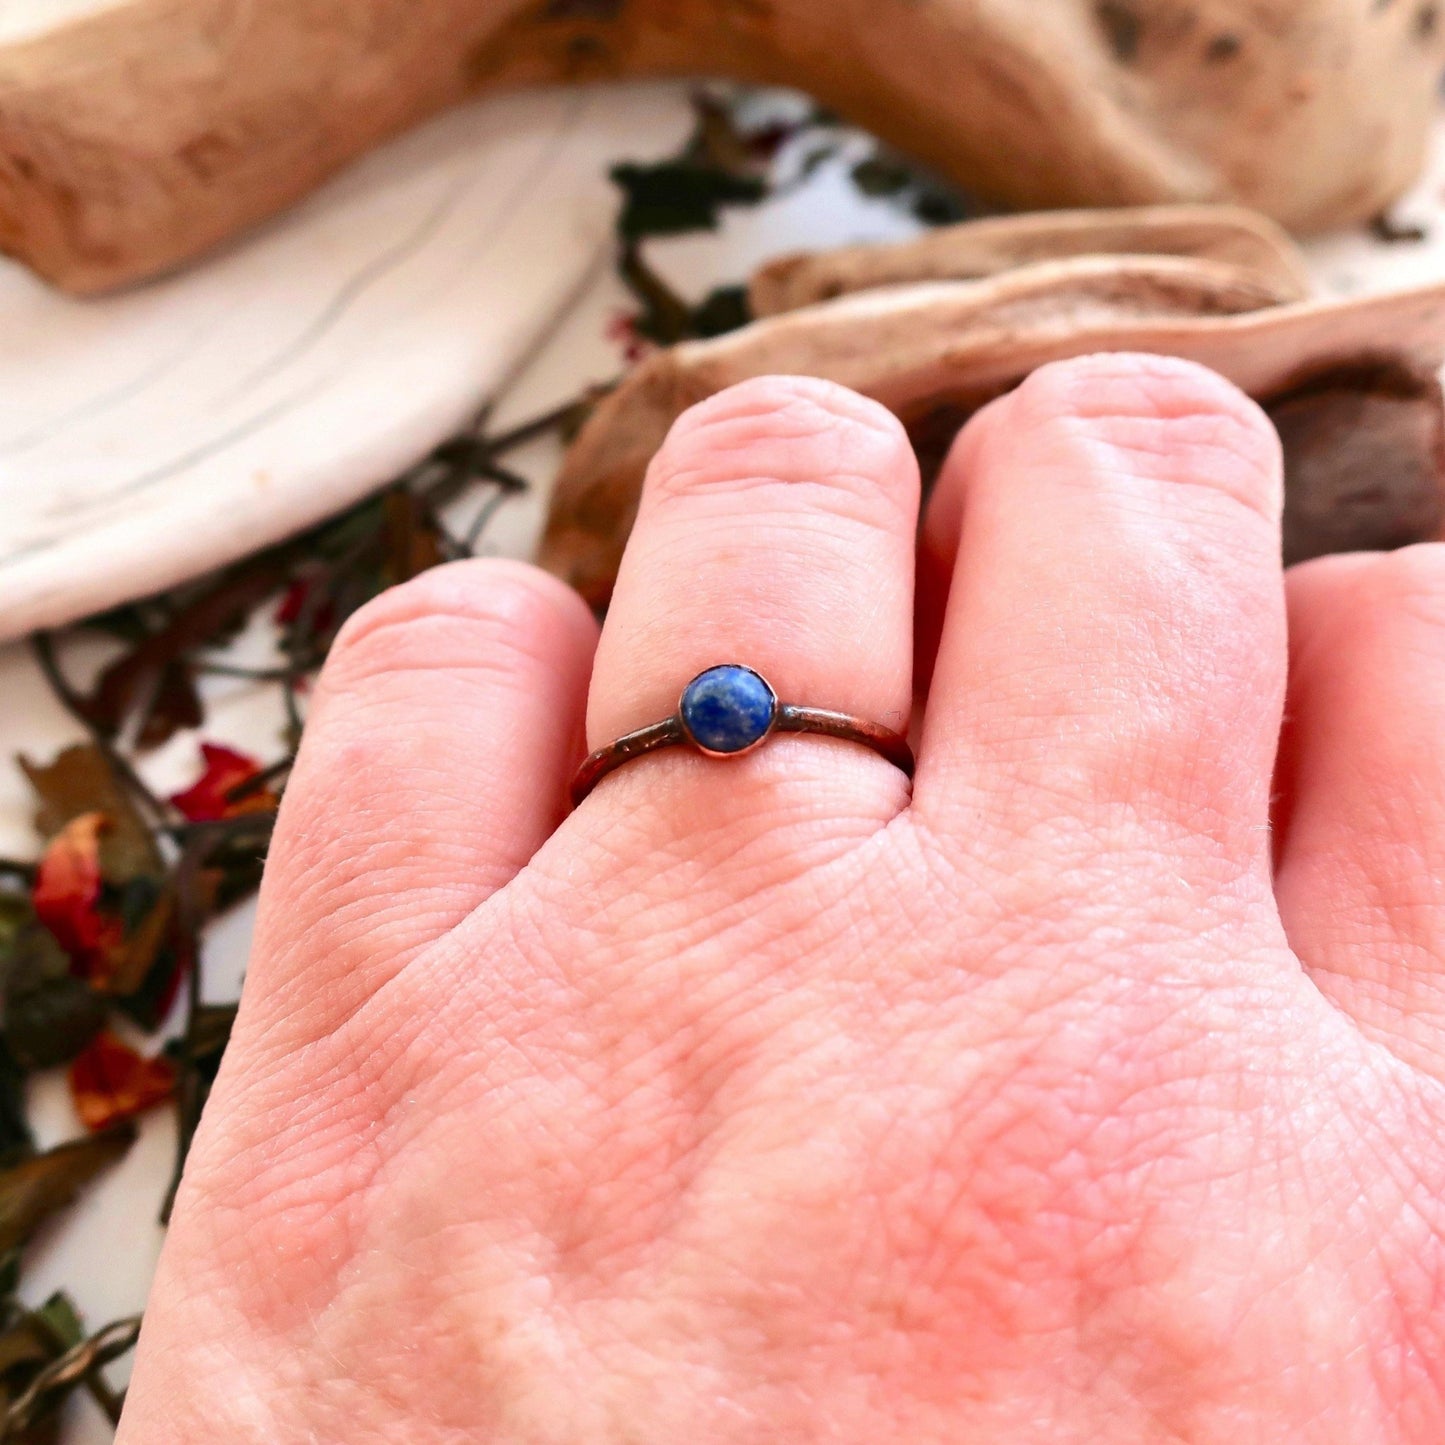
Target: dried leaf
80, 780
16, 1140
24, 1349
49, 1013
198, 1057
34, 1189
42, 1431
110, 1081
666, 318
888, 175
412, 545
1385, 227
205, 619
208, 1035
59, 1315
882, 175
16, 915
175, 706
113, 933
148, 1004
676, 196
214, 795
147, 909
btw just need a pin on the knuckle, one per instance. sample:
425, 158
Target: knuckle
1320, 579
1367, 604
1156, 419
1410, 583
788, 431
492, 613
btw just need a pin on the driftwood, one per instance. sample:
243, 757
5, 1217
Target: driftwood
1229, 235
135, 138
1352, 385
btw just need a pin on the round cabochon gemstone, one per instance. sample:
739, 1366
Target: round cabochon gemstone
727, 709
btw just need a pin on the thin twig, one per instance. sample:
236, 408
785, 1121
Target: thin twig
295, 723
260, 780
195, 851
250, 674
220, 830
538, 426
72, 1368
485, 513
43, 646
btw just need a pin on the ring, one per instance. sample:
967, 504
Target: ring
729, 710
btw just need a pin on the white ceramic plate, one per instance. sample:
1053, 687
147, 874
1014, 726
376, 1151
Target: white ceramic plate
153, 435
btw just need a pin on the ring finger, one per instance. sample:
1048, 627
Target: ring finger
776, 529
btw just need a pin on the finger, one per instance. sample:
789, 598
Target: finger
444, 727
776, 529
1113, 645
1361, 817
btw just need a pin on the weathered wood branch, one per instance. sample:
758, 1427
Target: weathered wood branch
135, 138
1229, 235
1352, 386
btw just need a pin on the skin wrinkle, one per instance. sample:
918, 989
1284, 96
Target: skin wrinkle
845, 496
808, 547
1223, 472
745, 420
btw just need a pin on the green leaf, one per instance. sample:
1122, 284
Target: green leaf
815, 158
49, 1014
676, 196
62, 1319
16, 1140
16, 915
9, 1273
881, 176
722, 310
935, 206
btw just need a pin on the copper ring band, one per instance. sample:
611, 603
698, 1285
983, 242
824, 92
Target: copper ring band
786, 718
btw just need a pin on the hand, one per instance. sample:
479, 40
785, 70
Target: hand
762, 1100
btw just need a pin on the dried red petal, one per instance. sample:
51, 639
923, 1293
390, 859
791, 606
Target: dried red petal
288, 610
622, 331
209, 797
296, 603
110, 1082
66, 892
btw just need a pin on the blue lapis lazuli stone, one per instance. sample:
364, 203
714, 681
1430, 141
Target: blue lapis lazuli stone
727, 708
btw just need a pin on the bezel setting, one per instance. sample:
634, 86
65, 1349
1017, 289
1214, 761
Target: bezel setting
757, 742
